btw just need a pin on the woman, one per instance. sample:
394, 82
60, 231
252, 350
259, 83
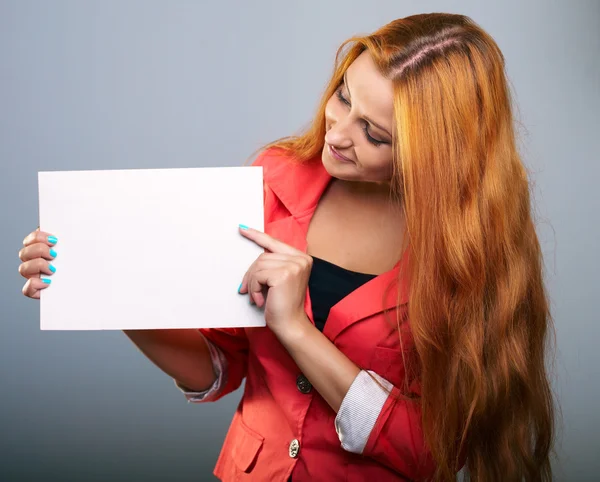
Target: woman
401, 281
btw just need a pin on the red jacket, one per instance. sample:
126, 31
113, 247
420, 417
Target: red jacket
274, 412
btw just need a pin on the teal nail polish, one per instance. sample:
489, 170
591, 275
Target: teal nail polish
52, 239
240, 287
53, 253
243, 226
52, 268
47, 281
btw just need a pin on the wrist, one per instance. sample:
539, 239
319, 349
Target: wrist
295, 331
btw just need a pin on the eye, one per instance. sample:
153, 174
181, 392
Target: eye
371, 139
341, 97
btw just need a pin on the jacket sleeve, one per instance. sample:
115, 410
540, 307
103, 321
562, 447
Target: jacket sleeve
397, 438
232, 345
375, 420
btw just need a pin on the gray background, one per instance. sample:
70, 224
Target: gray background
150, 84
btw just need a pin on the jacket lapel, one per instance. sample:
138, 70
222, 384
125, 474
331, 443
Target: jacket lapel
384, 292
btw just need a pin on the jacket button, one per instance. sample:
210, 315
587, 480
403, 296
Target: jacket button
303, 384
294, 448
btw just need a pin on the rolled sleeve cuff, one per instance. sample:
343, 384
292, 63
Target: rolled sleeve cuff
220, 368
360, 409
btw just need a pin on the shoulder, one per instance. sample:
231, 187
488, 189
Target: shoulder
294, 183
283, 170
280, 164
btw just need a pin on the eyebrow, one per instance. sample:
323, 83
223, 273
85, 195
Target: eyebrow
369, 120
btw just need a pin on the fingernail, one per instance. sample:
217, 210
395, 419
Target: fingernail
53, 253
52, 239
240, 287
52, 268
47, 281
243, 226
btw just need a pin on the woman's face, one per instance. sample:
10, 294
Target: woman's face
359, 123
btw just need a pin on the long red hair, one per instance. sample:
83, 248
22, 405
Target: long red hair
479, 313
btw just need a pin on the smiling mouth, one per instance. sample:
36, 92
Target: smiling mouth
335, 154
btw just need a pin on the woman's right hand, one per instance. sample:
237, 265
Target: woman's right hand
36, 256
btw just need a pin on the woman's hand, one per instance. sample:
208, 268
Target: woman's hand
277, 280
36, 256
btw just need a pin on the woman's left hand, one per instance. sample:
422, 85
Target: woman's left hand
277, 280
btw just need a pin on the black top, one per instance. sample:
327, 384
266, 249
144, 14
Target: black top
330, 283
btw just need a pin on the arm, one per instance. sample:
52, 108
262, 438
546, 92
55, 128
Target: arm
181, 354
206, 364
327, 368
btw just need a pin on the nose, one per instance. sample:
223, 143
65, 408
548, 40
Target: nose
338, 134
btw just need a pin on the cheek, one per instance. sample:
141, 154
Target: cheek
376, 165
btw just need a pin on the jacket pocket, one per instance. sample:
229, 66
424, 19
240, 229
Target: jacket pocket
246, 447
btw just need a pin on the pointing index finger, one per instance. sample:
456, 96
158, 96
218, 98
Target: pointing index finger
265, 241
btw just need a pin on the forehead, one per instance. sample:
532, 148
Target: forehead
370, 90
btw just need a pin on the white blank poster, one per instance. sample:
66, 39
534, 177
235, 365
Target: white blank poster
150, 248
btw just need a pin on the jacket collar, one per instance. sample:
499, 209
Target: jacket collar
299, 186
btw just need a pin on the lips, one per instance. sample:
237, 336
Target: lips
334, 153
